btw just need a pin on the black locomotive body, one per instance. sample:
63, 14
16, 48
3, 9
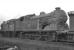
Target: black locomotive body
49, 27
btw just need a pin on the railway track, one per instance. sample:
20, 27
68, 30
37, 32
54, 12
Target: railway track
25, 42
31, 41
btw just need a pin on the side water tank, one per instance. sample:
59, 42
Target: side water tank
71, 15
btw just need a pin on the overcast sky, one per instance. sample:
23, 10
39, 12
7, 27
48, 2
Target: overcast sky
15, 8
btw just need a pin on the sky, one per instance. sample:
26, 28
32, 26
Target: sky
10, 9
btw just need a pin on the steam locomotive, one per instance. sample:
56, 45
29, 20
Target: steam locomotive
45, 27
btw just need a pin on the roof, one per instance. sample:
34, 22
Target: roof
71, 12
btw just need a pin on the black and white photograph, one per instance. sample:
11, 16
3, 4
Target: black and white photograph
36, 25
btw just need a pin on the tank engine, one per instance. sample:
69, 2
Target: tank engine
41, 27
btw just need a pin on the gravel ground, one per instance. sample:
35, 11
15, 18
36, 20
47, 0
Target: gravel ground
33, 45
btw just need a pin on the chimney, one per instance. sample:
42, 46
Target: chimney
71, 15
42, 13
